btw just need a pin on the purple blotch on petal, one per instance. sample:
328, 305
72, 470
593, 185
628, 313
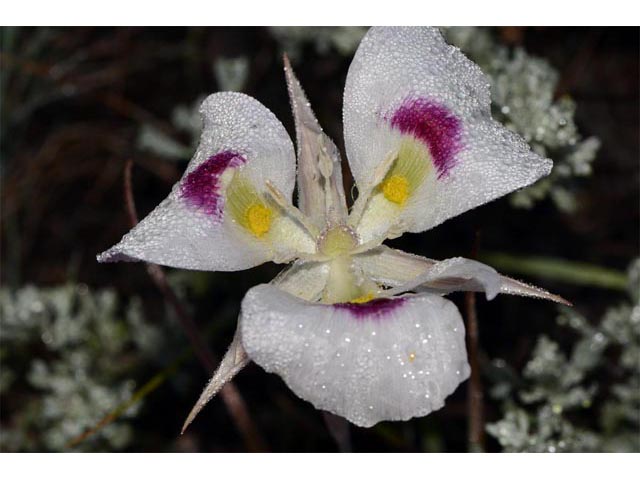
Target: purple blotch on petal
373, 309
201, 187
435, 126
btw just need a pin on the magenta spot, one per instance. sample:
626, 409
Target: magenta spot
435, 126
201, 187
373, 309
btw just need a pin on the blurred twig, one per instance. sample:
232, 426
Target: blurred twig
230, 395
339, 429
576, 273
475, 402
145, 390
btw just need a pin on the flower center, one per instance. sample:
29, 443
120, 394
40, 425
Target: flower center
337, 241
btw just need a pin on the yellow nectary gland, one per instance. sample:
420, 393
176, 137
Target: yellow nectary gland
363, 298
396, 189
337, 241
247, 207
258, 218
408, 172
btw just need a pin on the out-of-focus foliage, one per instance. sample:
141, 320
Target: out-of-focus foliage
523, 92
231, 75
67, 356
343, 40
601, 374
185, 118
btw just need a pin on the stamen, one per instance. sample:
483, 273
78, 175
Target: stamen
279, 198
365, 195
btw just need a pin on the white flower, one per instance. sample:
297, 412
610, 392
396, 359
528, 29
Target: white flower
352, 326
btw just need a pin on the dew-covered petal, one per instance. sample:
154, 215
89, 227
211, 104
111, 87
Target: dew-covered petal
412, 97
406, 272
390, 267
219, 216
387, 359
306, 280
455, 274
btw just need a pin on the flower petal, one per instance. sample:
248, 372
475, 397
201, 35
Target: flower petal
388, 359
305, 280
412, 97
405, 272
219, 216
455, 274
390, 267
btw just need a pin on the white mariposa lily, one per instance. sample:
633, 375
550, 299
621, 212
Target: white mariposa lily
352, 326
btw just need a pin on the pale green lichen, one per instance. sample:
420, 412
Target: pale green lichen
523, 94
342, 40
58, 350
231, 73
545, 409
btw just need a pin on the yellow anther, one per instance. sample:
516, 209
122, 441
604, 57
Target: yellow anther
412, 357
363, 298
258, 218
396, 189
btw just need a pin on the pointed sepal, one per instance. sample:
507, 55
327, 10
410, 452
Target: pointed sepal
234, 360
320, 189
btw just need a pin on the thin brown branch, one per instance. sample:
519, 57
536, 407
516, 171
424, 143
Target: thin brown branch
339, 429
230, 395
475, 403
145, 390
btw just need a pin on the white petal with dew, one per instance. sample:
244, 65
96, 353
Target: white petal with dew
452, 275
405, 272
305, 280
391, 267
175, 234
397, 365
394, 63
